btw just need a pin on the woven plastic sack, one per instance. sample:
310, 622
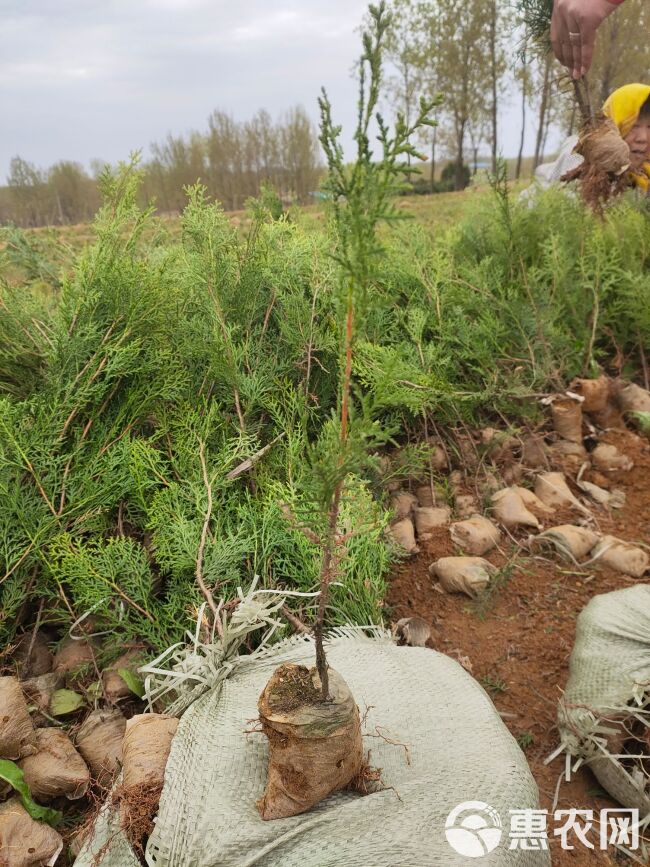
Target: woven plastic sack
609, 680
458, 750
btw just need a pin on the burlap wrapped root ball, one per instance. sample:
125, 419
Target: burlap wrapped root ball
509, 509
73, 658
567, 539
430, 518
56, 769
599, 401
631, 397
145, 750
401, 534
315, 746
621, 556
25, 842
477, 535
553, 490
17, 733
608, 459
468, 575
567, 419
99, 740
32, 655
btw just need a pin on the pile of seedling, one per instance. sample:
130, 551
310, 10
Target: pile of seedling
550, 475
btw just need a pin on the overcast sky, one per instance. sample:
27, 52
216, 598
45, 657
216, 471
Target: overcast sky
83, 80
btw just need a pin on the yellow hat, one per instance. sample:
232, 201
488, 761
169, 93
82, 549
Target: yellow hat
624, 105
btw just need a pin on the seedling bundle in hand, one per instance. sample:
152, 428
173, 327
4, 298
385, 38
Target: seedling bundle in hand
606, 156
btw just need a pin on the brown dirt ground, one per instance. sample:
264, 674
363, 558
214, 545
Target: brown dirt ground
520, 649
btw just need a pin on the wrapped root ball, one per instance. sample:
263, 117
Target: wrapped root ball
145, 749
467, 575
567, 419
534, 451
621, 556
403, 503
608, 459
465, 505
73, 657
99, 740
33, 655
25, 842
115, 687
17, 733
56, 769
402, 535
425, 495
568, 539
595, 393
532, 501
553, 491
413, 631
315, 746
633, 398
147, 742
509, 510
429, 518
476, 535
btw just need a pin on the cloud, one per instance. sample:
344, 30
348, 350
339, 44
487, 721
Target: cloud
98, 78
83, 79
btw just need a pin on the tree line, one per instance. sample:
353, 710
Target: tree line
232, 159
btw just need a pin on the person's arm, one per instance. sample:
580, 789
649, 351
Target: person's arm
573, 31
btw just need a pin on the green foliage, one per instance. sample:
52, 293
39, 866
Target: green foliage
536, 18
154, 346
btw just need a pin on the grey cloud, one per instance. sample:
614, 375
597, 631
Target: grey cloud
81, 79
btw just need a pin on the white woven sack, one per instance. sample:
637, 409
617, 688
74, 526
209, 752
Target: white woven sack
458, 749
609, 678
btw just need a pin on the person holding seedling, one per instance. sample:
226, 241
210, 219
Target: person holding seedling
573, 31
611, 155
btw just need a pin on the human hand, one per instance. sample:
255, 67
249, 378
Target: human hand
573, 31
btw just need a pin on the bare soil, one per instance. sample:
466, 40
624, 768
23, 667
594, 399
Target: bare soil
519, 647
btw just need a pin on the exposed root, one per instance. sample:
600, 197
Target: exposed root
138, 806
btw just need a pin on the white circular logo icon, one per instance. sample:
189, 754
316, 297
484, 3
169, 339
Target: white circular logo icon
473, 828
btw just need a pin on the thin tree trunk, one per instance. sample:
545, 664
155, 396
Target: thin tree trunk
433, 159
523, 116
494, 82
572, 120
543, 107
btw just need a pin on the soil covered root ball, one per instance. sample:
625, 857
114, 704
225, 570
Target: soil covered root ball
606, 158
315, 746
